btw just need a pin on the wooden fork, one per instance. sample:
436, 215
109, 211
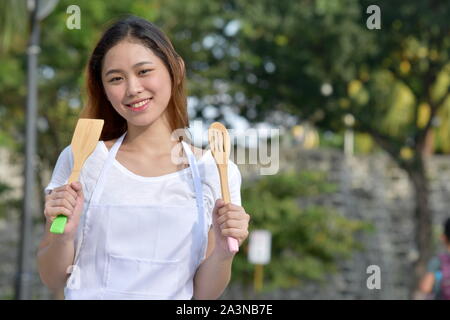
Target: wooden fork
219, 143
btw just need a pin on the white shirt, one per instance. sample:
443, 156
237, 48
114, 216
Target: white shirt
128, 187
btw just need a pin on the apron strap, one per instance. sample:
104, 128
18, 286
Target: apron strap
195, 174
98, 189
198, 197
109, 161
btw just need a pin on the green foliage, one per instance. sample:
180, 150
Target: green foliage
6, 202
12, 13
287, 50
364, 144
276, 59
62, 59
306, 242
330, 139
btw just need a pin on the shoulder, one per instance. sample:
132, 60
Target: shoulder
212, 182
65, 157
62, 169
211, 171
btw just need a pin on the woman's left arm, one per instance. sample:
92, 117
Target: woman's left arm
214, 273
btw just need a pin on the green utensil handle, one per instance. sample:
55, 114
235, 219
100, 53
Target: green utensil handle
59, 224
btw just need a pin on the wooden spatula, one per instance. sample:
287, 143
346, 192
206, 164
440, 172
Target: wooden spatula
219, 143
84, 140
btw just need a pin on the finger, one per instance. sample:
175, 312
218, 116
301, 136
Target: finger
223, 208
66, 188
219, 203
57, 189
231, 215
72, 191
60, 188
227, 208
68, 202
240, 234
77, 187
234, 207
234, 224
53, 212
48, 197
69, 195
64, 195
61, 210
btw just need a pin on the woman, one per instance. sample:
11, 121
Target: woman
141, 224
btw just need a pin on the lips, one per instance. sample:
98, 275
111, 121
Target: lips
139, 106
139, 103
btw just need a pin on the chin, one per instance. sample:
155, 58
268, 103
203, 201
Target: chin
141, 122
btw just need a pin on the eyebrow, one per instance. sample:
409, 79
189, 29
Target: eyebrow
134, 66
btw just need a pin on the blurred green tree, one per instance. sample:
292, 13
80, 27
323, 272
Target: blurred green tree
63, 56
13, 24
318, 60
313, 59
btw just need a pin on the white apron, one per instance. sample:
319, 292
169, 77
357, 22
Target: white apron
138, 252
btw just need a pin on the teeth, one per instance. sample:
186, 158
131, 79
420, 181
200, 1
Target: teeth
139, 104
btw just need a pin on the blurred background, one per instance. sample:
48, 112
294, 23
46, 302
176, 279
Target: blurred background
359, 97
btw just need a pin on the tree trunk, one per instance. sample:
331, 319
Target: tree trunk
428, 148
423, 219
417, 172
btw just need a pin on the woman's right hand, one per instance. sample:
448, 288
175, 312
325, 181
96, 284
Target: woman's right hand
67, 200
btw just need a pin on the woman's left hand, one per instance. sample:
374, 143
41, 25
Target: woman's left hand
229, 220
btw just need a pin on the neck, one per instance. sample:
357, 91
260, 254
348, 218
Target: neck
154, 139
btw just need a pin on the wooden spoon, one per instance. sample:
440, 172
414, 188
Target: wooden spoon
84, 140
219, 143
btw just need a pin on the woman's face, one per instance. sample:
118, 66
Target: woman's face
136, 82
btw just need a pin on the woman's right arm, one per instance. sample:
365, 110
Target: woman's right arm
56, 251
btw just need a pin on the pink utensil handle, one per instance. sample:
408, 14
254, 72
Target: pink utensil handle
233, 244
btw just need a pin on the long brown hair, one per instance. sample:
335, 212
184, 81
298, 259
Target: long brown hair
136, 29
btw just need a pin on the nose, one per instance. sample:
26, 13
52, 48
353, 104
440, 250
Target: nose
134, 86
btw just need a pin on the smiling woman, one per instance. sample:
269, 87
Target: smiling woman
134, 86
151, 227
114, 74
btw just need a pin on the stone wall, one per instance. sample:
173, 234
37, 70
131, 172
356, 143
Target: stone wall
374, 189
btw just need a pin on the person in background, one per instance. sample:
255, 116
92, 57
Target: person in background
436, 282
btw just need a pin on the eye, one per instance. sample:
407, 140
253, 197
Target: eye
114, 79
145, 71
